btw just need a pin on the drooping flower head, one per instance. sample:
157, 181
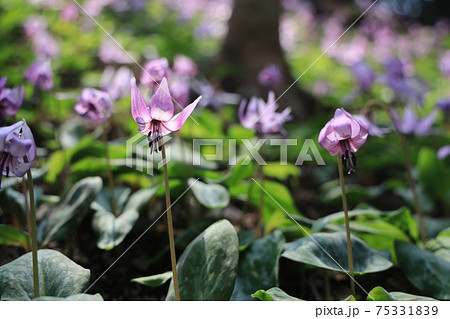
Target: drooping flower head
94, 105
262, 117
411, 124
158, 120
270, 76
16, 144
10, 99
155, 71
184, 66
343, 135
40, 74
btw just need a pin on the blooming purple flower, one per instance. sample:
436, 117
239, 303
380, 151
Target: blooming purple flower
158, 120
184, 66
443, 152
94, 105
344, 135
270, 76
116, 83
410, 124
262, 117
16, 143
364, 75
40, 74
374, 130
155, 71
10, 99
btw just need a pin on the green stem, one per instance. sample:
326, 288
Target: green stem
347, 226
109, 172
173, 257
413, 188
34, 248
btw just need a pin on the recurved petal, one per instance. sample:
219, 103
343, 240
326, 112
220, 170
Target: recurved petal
19, 147
18, 167
328, 139
139, 109
5, 133
344, 125
28, 135
161, 107
176, 123
357, 141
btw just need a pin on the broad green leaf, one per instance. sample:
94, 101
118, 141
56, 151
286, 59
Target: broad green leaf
281, 172
70, 212
428, 272
112, 230
329, 251
441, 244
379, 294
210, 195
155, 280
258, 266
11, 236
402, 296
350, 298
320, 223
245, 239
274, 294
58, 276
77, 297
207, 268
239, 132
433, 174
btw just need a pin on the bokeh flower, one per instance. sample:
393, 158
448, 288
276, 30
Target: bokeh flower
10, 99
157, 120
16, 144
364, 75
411, 124
40, 74
444, 105
94, 105
183, 65
155, 71
262, 117
270, 76
344, 135
443, 152
116, 82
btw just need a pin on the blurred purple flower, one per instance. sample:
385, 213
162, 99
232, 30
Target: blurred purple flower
116, 82
94, 105
344, 135
373, 129
158, 120
155, 71
184, 66
110, 52
40, 74
270, 76
213, 96
409, 88
34, 25
444, 105
444, 63
262, 117
179, 89
410, 124
364, 75
10, 99
44, 44
443, 152
16, 142
70, 12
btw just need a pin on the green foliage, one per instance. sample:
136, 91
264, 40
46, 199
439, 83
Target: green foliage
273, 294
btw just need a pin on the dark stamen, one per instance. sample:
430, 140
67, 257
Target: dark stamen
353, 159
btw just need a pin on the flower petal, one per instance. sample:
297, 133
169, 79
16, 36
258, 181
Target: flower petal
28, 135
328, 139
139, 109
161, 107
19, 147
423, 126
5, 133
344, 126
176, 123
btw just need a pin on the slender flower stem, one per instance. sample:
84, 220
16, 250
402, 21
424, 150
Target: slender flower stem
109, 172
34, 248
423, 235
27, 206
347, 226
173, 257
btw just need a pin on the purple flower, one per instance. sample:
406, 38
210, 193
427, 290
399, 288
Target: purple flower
16, 143
262, 117
344, 135
158, 120
374, 130
94, 105
408, 88
179, 89
270, 76
44, 44
213, 96
184, 66
444, 105
155, 71
34, 25
410, 124
70, 12
10, 99
116, 83
110, 52
444, 64
364, 75
40, 74
443, 152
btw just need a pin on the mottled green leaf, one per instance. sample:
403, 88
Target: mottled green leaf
77, 297
207, 268
258, 266
274, 294
155, 280
379, 294
329, 251
210, 195
58, 276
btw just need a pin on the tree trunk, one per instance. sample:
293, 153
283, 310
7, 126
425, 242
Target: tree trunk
252, 43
